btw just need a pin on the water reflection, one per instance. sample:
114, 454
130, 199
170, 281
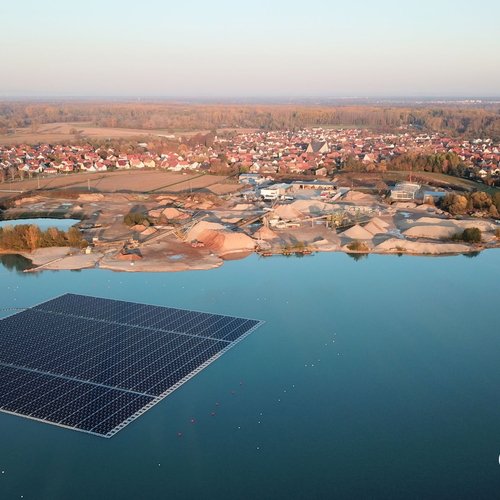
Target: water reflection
358, 256
14, 262
471, 255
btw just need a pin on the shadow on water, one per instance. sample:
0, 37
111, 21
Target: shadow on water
358, 256
14, 262
471, 255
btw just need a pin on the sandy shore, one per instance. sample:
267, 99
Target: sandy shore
62, 258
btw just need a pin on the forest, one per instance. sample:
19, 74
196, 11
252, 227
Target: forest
452, 119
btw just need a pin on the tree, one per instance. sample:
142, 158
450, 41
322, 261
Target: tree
33, 237
454, 203
481, 200
496, 200
74, 237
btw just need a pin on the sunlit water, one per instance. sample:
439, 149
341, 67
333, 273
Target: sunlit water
376, 378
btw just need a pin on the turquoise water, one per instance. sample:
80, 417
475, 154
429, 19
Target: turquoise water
42, 223
375, 378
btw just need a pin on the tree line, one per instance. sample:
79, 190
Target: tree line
460, 204
455, 120
26, 237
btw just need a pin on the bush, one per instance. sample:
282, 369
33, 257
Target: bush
358, 246
469, 235
133, 218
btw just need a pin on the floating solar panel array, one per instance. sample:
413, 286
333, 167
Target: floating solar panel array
95, 365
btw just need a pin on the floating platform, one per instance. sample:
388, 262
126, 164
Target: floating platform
95, 365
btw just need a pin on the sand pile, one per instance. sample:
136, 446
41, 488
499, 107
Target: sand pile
172, 213
425, 207
357, 233
231, 220
459, 225
91, 197
432, 220
432, 231
380, 223
374, 228
404, 204
357, 197
196, 230
325, 245
129, 256
166, 198
219, 239
415, 247
483, 225
156, 213
243, 206
148, 231
28, 199
287, 212
311, 207
265, 233
205, 205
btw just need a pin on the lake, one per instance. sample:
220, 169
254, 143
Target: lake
371, 378
42, 223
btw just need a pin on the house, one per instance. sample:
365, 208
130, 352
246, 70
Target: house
404, 191
275, 191
251, 179
316, 185
318, 147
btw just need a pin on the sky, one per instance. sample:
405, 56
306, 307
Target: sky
249, 49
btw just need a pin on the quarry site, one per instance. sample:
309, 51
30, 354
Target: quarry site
192, 229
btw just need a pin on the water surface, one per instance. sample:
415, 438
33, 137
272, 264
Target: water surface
375, 378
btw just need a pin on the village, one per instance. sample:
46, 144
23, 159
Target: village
311, 152
275, 193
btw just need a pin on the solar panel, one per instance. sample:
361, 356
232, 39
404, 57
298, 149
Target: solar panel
95, 365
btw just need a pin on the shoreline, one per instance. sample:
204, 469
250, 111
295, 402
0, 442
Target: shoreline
67, 259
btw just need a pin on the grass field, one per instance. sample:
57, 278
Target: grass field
134, 181
63, 132
358, 179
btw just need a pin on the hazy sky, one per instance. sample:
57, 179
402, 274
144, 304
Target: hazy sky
257, 48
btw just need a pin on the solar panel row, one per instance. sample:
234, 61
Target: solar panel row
66, 402
96, 364
155, 317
